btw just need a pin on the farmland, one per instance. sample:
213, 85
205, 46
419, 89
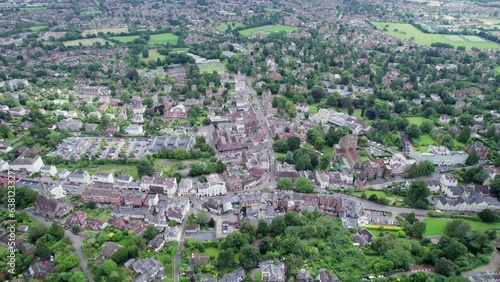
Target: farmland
223, 26
84, 42
410, 33
114, 30
268, 29
125, 39
209, 68
436, 226
163, 38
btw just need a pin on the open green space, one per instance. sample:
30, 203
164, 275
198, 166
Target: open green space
257, 276
211, 252
328, 151
223, 26
114, 30
37, 27
163, 38
209, 68
103, 216
422, 143
92, 12
436, 226
125, 38
153, 55
273, 10
497, 69
85, 42
268, 29
127, 169
363, 155
415, 120
408, 32
379, 194
33, 8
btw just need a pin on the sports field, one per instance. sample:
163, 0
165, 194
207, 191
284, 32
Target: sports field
410, 33
223, 26
125, 38
268, 29
85, 42
436, 226
163, 38
209, 68
114, 30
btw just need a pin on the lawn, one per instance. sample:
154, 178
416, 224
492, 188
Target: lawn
273, 10
497, 69
415, 120
211, 252
436, 226
103, 216
163, 38
153, 55
363, 155
423, 142
84, 42
37, 27
209, 68
268, 29
408, 32
257, 276
114, 30
379, 194
92, 12
125, 38
223, 26
328, 151
490, 21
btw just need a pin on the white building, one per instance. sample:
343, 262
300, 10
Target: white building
210, 189
159, 185
48, 170
443, 156
448, 180
28, 164
398, 164
58, 192
185, 187
4, 165
80, 177
105, 177
134, 130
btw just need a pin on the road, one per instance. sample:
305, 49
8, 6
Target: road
493, 266
180, 246
77, 244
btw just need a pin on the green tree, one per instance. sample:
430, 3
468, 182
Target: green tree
413, 131
150, 232
120, 256
56, 230
42, 250
202, 218
225, 259
487, 215
319, 143
457, 228
69, 262
248, 230
262, 228
444, 267
35, 232
249, 258
109, 266
285, 184
265, 245
293, 143
144, 167
426, 126
278, 226
304, 185
280, 146
417, 194
464, 135
473, 158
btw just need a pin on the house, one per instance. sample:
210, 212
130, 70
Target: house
108, 249
102, 195
48, 170
124, 179
40, 269
27, 249
78, 218
196, 259
134, 130
185, 187
80, 177
211, 188
452, 191
4, 165
481, 150
273, 273
171, 234
325, 276
5, 149
51, 208
177, 112
304, 276
70, 124
63, 174
364, 237
97, 224
28, 164
148, 269
192, 228
235, 276
162, 185
23, 228
434, 185
448, 180
157, 243
105, 177
138, 229
345, 152
484, 277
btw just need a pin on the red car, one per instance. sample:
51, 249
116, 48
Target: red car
462, 213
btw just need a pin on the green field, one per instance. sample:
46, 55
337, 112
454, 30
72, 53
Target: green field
103, 216
410, 33
436, 226
85, 42
114, 30
209, 68
497, 69
33, 8
211, 252
125, 38
223, 26
273, 10
423, 142
163, 38
257, 276
92, 12
379, 194
268, 29
415, 120
37, 27
153, 55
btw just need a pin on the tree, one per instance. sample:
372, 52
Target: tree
248, 230
24, 196
109, 266
464, 135
487, 215
69, 262
249, 258
278, 226
211, 224
42, 250
144, 167
318, 94
473, 158
457, 228
280, 146
150, 232
57, 231
417, 194
319, 143
35, 232
417, 229
293, 219
120, 256
304, 185
265, 245
262, 228
202, 218
426, 126
225, 259
293, 143
75, 229
444, 267
324, 162
285, 184
413, 131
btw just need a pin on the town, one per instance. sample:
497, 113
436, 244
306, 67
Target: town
250, 141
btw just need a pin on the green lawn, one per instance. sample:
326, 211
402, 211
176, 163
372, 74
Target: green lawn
273, 10
125, 38
153, 55
103, 216
363, 155
257, 276
416, 120
223, 26
328, 151
423, 142
490, 21
436, 226
497, 69
92, 12
379, 194
268, 29
209, 68
163, 38
84, 42
37, 27
114, 30
408, 32
211, 252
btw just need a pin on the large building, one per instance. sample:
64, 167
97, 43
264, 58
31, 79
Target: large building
443, 156
345, 152
28, 164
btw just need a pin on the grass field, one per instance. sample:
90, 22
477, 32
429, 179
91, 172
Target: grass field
211, 252
93, 12
153, 55
328, 151
415, 120
436, 226
423, 142
103, 216
257, 276
497, 69
268, 29
273, 10
163, 38
125, 38
209, 68
85, 42
115, 30
368, 193
410, 33
223, 26
37, 27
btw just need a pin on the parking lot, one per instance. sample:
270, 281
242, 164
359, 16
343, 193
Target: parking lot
379, 218
225, 224
110, 148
